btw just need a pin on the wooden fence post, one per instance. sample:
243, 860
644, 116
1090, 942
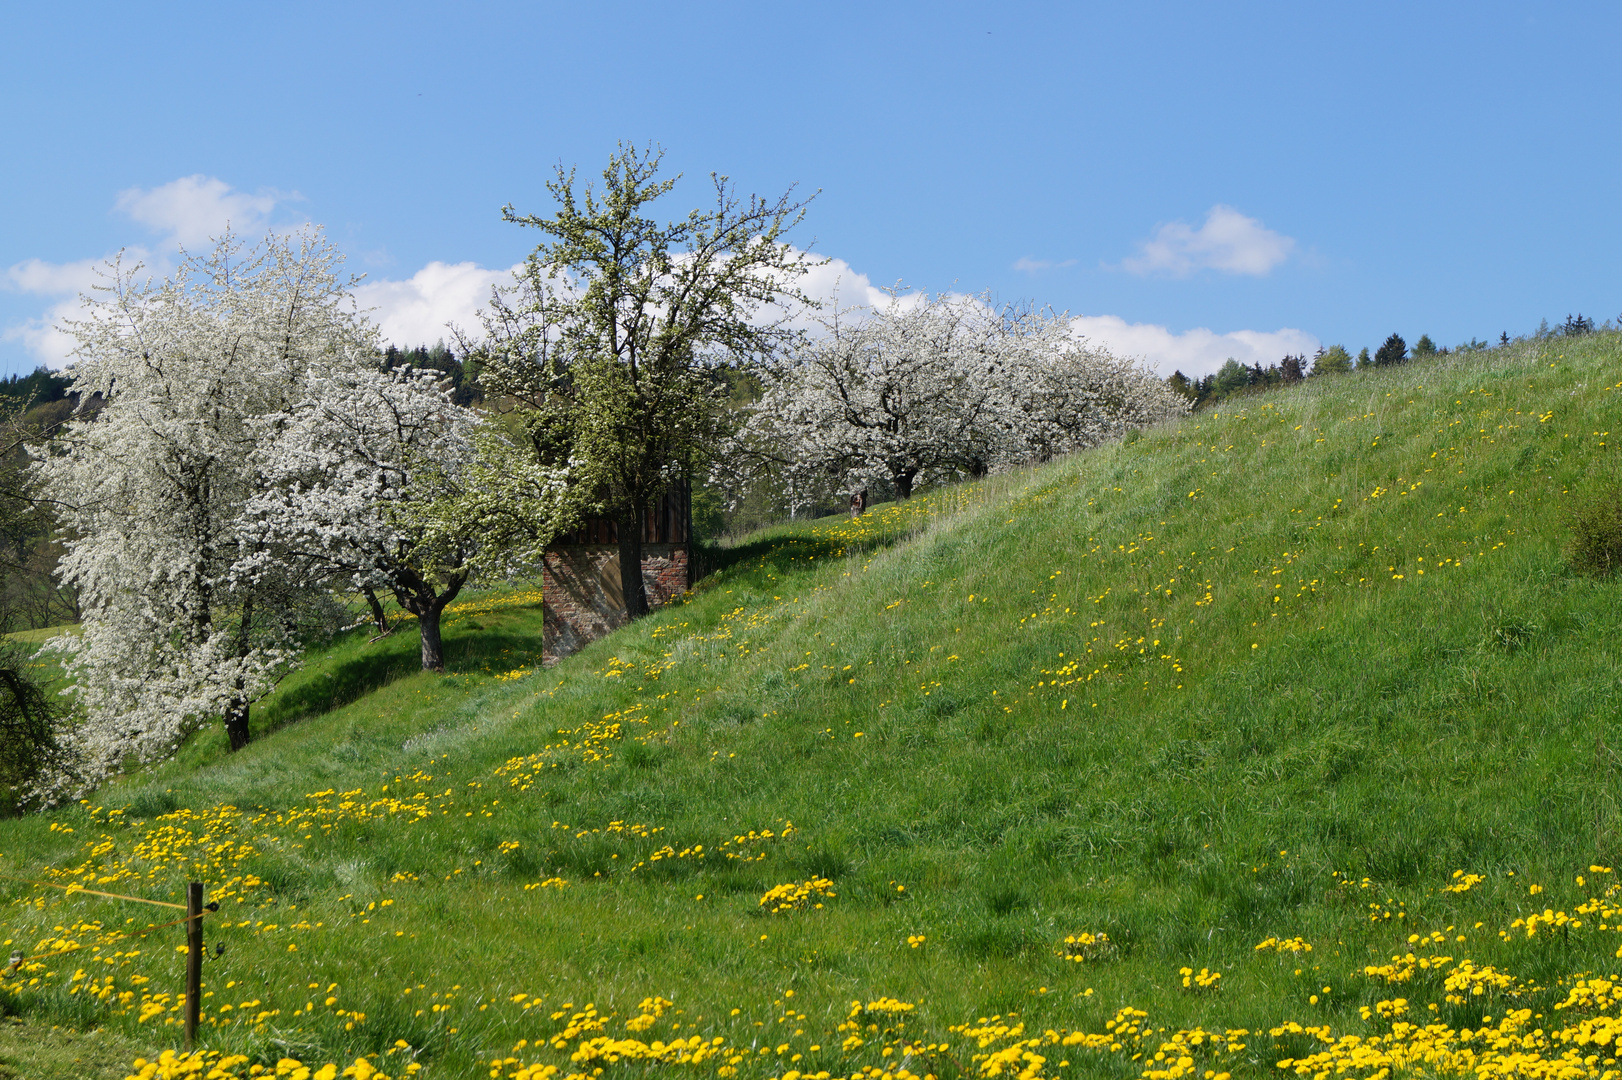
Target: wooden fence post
194, 960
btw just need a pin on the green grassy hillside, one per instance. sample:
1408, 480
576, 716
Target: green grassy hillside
1296, 689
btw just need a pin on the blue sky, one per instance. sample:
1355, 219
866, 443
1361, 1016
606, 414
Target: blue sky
1196, 180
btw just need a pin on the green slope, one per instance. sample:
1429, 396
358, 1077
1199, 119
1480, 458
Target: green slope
1276, 672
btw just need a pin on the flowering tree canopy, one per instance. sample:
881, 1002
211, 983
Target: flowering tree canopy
378, 480
152, 489
250, 460
934, 389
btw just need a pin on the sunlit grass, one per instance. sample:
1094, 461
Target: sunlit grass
1274, 673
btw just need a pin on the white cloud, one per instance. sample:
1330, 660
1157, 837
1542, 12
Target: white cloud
43, 335
52, 279
1026, 264
1228, 241
419, 310
839, 287
187, 212
192, 210
1193, 352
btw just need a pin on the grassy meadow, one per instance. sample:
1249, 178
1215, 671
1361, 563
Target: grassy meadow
1278, 741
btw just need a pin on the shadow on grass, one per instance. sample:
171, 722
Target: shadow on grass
361, 667
338, 683
778, 550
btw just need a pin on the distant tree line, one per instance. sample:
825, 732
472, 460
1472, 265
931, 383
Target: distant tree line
459, 378
43, 385
1234, 378
33, 409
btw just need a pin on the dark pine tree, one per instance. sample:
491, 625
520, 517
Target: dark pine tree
41, 388
1394, 351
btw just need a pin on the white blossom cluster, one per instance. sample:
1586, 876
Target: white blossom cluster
376, 480
249, 463
151, 490
928, 390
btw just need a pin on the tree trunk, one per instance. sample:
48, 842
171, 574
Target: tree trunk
418, 596
631, 587
377, 612
903, 484
433, 650
236, 724
236, 712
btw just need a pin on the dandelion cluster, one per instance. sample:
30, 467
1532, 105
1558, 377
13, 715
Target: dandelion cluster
1087, 946
1293, 945
1203, 979
211, 1065
795, 895
887, 1036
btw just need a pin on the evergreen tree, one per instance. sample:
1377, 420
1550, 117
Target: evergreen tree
39, 388
1394, 351
1424, 347
1363, 357
458, 381
1292, 368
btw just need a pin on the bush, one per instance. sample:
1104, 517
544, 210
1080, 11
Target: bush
1333, 360
1596, 527
1230, 377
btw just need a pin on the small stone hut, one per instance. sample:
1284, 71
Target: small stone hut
580, 578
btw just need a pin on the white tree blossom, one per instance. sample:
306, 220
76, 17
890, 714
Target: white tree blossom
151, 490
932, 390
1062, 394
377, 480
